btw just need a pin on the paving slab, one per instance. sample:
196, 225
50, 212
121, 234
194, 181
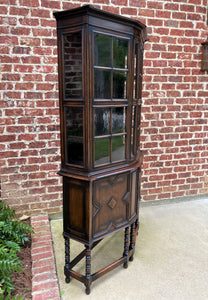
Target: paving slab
170, 261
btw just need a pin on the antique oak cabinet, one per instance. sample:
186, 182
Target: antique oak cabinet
100, 80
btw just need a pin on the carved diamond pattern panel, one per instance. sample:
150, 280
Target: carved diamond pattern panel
112, 203
112, 196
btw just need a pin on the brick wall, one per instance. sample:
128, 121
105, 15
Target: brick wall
174, 131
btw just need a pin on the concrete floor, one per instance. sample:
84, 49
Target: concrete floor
170, 262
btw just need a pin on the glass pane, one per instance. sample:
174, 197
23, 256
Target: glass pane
102, 50
118, 119
102, 121
120, 53
102, 84
74, 135
73, 65
119, 84
102, 151
118, 148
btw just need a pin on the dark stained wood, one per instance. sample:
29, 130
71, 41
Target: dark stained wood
76, 275
100, 60
126, 247
132, 240
67, 259
88, 278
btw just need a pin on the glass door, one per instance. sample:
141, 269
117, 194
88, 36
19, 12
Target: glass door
110, 101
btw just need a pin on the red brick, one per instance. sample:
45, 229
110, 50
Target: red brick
14, 112
30, 3
137, 3
155, 22
52, 293
4, 10
163, 14
37, 191
51, 4
171, 6
29, 22
45, 86
10, 77
39, 256
40, 13
45, 286
24, 86
23, 68
164, 196
192, 33
194, 1
177, 32
44, 277
186, 24
30, 41
29, 168
37, 239
146, 12
194, 17
20, 31
128, 11
155, 5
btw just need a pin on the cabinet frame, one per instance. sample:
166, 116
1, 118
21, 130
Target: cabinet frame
101, 193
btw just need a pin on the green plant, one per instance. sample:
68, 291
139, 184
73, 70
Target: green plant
13, 235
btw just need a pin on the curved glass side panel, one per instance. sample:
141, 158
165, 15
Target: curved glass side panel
72, 48
74, 135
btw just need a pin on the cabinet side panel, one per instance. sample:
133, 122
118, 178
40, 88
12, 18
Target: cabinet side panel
134, 194
75, 202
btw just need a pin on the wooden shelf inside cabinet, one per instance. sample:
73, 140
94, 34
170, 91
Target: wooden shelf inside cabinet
100, 59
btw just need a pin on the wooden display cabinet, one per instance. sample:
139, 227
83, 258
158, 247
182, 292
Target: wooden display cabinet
100, 58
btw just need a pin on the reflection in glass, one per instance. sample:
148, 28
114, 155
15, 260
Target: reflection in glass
102, 121
102, 50
118, 148
102, 80
118, 119
73, 65
102, 151
74, 135
120, 53
119, 84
